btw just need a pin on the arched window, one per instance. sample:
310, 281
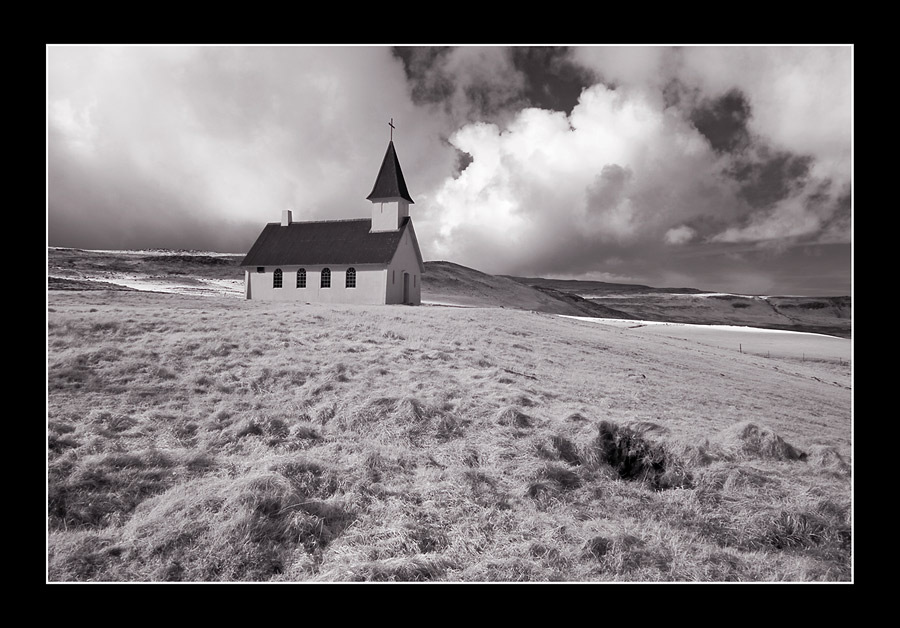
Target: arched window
326, 278
351, 278
276, 278
301, 278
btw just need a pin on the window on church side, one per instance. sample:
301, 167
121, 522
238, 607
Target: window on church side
393, 276
351, 278
276, 278
326, 278
414, 281
301, 278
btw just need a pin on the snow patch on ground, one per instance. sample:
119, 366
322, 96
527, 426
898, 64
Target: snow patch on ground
444, 303
622, 322
643, 295
157, 252
752, 340
198, 287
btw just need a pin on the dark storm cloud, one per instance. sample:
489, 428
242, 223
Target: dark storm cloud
838, 217
130, 208
723, 121
542, 76
462, 161
554, 80
765, 175
422, 64
769, 177
673, 93
467, 84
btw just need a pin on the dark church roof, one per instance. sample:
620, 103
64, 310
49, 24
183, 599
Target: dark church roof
390, 183
324, 242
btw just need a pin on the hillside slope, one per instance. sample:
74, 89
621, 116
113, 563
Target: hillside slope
588, 289
446, 282
215, 274
823, 315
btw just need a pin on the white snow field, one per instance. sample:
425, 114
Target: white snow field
755, 340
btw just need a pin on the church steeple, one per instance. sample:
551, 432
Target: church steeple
390, 184
390, 197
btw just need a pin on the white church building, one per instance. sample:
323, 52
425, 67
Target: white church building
367, 260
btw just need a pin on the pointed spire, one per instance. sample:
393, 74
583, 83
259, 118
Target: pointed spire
390, 183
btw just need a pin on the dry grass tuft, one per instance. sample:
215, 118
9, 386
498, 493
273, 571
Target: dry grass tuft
800, 529
566, 449
635, 458
749, 440
597, 547
303, 432
511, 415
82, 555
103, 488
828, 458
308, 478
647, 429
249, 525
564, 478
551, 483
420, 568
409, 411
730, 477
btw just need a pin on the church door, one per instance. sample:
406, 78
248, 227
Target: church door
405, 287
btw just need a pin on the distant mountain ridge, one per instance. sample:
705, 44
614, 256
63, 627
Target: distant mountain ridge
583, 286
448, 283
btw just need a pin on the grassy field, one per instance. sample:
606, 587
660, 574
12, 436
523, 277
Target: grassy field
215, 439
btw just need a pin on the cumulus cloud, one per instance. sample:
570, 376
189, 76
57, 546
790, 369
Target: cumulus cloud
679, 235
617, 171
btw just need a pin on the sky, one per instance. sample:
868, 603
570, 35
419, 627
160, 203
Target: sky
723, 168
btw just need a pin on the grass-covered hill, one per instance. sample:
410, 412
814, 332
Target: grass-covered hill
590, 288
216, 439
823, 315
448, 283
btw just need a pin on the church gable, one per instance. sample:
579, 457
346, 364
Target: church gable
410, 242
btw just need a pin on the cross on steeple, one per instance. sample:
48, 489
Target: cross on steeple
391, 124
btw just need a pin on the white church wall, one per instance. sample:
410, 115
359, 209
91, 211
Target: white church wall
405, 261
369, 285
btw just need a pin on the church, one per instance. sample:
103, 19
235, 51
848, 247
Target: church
371, 261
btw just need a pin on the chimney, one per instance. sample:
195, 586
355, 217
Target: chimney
285, 217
